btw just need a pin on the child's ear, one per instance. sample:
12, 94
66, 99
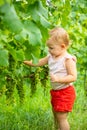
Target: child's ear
63, 45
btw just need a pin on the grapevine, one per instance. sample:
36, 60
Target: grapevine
33, 82
44, 77
10, 80
10, 89
2, 81
14, 80
20, 89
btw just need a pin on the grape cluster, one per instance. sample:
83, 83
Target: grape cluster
10, 85
14, 80
20, 89
44, 77
38, 76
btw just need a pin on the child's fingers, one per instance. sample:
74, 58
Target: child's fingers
52, 77
27, 62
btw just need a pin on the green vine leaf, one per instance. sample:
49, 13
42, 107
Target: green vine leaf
4, 57
13, 23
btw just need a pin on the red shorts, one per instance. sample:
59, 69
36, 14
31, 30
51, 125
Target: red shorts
63, 100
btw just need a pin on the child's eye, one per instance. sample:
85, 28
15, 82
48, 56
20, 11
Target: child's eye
51, 48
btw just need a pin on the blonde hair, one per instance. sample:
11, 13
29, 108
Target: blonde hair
58, 35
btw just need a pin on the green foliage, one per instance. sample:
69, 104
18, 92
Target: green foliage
36, 113
24, 29
13, 23
73, 17
3, 57
22, 25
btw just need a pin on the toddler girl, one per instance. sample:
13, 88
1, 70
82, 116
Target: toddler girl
62, 70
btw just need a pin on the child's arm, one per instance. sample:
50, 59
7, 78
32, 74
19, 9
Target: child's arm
71, 73
41, 62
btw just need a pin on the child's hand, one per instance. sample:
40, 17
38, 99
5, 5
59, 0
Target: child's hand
53, 78
28, 62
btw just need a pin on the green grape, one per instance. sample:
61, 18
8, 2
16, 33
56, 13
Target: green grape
37, 77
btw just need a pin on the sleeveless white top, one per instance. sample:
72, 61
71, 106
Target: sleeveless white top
57, 67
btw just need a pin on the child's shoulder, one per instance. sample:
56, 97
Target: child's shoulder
70, 56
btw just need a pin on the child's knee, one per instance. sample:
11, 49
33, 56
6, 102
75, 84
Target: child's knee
61, 116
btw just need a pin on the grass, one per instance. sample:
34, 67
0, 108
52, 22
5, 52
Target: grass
36, 114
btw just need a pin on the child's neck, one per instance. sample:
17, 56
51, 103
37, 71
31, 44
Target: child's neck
61, 55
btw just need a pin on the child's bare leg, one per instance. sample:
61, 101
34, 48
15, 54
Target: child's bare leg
62, 120
55, 120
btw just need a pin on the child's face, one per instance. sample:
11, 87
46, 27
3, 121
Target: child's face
55, 49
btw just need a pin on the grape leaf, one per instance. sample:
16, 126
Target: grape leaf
4, 58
